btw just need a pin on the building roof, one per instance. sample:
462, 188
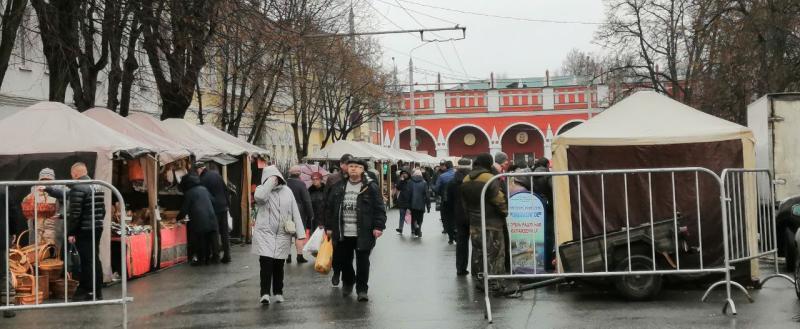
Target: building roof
530, 82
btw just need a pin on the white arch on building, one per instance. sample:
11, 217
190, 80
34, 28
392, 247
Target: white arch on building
558, 131
450, 133
418, 128
503, 134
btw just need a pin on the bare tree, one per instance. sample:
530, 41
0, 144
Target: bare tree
13, 13
176, 34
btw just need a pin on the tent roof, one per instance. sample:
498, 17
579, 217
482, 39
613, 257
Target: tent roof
50, 127
200, 135
336, 150
200, 149
168, 151
647, 118
252, 149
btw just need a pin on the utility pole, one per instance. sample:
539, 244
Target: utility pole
413, 140
396, 141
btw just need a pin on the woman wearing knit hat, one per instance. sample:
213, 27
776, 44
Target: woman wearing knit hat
49, 226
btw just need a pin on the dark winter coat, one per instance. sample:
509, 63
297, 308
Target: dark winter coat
332, 180
370, 209
215, 185
404, 198
418, 194
441, 183
317, 195
80, 208
303, 200
453, 192
495, 200
543, 185
198, 206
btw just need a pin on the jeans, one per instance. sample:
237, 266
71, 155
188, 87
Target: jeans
346, 249
224, 235
416, 220
402, 218
271, 274
86, 247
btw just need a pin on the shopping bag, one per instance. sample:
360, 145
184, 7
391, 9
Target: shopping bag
230, 222
314, 242
408, 217
324, 260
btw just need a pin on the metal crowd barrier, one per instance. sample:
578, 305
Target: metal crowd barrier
750, 192
45, 304
590, 180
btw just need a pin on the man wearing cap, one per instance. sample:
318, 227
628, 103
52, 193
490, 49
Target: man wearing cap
215, 184
356, 217
303, 200
332, 181
459, 215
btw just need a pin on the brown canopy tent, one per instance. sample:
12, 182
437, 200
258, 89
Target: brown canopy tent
649, 130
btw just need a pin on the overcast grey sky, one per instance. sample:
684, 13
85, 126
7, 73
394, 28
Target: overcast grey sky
510, 48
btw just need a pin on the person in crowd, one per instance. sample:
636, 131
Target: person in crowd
6, 237
455, 206
543, 186
220, 199
317, 194
203, 225
402, 199
419, 201
440, 188
496, 212
303, 199
49, 226
86, 211
355, 219
501, 162
278, 213
333, 179
520, 184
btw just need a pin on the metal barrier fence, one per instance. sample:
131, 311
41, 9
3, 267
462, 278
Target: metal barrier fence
750, 193
39, 303
637, 184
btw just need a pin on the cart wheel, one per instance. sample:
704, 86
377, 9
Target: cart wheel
796, 277
636, 286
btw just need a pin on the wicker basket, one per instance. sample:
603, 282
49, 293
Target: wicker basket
30, 251
57, 287
29, 299
46, 206
25, 284
51, 267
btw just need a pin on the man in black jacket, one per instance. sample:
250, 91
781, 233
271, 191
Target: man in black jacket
456, 208
220, 199
86, 212
303, 199
332, 181
356, 217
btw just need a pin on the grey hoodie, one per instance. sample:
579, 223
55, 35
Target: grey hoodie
274, 204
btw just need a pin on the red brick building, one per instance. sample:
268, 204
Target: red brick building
519, 117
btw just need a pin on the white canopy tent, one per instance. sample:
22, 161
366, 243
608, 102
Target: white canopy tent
200, 149
168, 151
46, 133
250, 148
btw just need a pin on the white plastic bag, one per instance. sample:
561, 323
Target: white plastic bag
230, 222
314, 242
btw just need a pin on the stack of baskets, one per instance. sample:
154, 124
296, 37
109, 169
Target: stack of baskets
22, 263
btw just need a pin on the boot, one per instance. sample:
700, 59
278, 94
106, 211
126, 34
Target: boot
289, 260
301, 259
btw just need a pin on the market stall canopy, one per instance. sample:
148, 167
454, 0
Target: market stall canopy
50, 127
200, 135
201, 150
251, 149
650, 118
335, 151
391, 154
168, 151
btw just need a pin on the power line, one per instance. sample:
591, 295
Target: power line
387, 18
535, 20
421, 13
459, 59
438, 48
429, 62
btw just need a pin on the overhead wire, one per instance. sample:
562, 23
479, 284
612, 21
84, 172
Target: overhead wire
525, 19
438, 48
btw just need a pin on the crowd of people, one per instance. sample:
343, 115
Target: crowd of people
347, 204
457, 192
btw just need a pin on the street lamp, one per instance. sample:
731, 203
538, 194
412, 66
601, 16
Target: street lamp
413, 140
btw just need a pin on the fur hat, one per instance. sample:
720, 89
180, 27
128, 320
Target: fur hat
464, 163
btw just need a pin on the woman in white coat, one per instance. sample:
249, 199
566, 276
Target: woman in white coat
277, 215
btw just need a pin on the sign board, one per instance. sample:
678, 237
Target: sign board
525, 220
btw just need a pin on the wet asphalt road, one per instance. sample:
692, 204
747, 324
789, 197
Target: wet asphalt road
412, 285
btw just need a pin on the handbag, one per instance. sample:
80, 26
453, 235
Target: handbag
73, 259
287, 221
